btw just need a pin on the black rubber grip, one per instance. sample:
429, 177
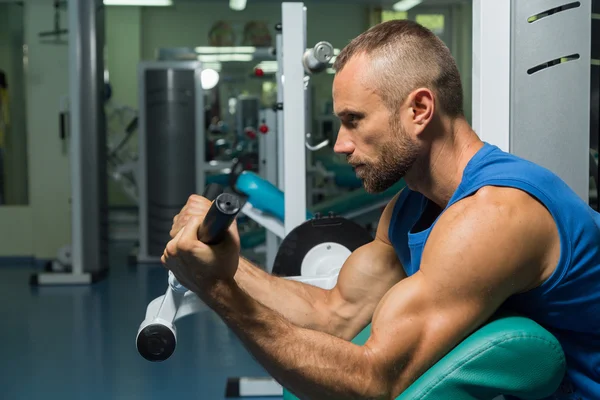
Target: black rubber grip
219, 217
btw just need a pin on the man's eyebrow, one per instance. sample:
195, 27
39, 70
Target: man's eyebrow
347, 111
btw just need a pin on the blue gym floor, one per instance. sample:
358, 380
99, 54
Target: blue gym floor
72, 343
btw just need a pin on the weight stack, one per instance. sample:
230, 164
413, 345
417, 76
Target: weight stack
171, 135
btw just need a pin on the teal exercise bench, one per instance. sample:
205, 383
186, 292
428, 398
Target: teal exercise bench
510, 355
269, 199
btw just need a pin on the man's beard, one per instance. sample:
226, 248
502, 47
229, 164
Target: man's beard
395, 160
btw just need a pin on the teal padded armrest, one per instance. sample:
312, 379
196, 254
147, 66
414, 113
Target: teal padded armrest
510, 355
266, 197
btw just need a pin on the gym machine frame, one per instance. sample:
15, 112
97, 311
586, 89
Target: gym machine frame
521, 56
88, 257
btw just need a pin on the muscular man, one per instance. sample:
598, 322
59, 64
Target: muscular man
476, 229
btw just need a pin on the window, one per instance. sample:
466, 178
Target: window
433, 22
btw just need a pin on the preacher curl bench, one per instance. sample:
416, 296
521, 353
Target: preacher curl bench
509, 355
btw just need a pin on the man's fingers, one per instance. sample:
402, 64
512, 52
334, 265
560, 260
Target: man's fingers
173, 247
189, 234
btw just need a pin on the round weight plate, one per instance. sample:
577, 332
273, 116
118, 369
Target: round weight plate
306, 236
324, 259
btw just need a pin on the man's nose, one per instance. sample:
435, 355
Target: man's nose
343, 143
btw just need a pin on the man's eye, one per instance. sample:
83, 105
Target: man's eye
351, 119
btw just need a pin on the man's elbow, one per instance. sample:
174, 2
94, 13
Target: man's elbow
379, 385
377, 392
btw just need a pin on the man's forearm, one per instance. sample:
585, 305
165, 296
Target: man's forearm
309, 363
301, 304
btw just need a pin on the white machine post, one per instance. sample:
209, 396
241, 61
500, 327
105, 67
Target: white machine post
88, 257
531, 82
268, 170
491, 71
280, 139
294, 120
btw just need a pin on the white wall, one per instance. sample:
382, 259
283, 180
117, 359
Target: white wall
47, 82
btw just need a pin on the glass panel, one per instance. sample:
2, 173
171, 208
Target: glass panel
433, 22
13, 132
387, 15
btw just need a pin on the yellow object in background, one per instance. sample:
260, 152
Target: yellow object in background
4, 110
4, 115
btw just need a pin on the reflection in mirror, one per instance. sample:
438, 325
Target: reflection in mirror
238, 81
13, 131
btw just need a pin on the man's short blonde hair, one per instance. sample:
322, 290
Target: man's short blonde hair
405, 56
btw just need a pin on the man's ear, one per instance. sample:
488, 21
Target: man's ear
422, 104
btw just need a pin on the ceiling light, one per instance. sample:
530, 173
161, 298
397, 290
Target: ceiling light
144, 3
225, 50
209, 78
224, 57
237, 5
405, 5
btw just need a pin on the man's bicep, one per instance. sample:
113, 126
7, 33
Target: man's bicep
413, 329
365, 278
475, 258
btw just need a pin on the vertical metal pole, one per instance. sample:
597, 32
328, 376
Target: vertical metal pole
200, 133
280, 137
76, 156
294, 120
268, 151
89, 137
142, 174
87, 147
491, 71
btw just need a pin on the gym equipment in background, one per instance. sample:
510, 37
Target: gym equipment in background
266, 206
88, 252
319, 247
171, 139
122, 157
524, 51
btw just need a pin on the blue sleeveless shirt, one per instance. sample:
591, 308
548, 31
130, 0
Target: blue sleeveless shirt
568, 303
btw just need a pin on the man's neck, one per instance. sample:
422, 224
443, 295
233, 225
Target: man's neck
437, 176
